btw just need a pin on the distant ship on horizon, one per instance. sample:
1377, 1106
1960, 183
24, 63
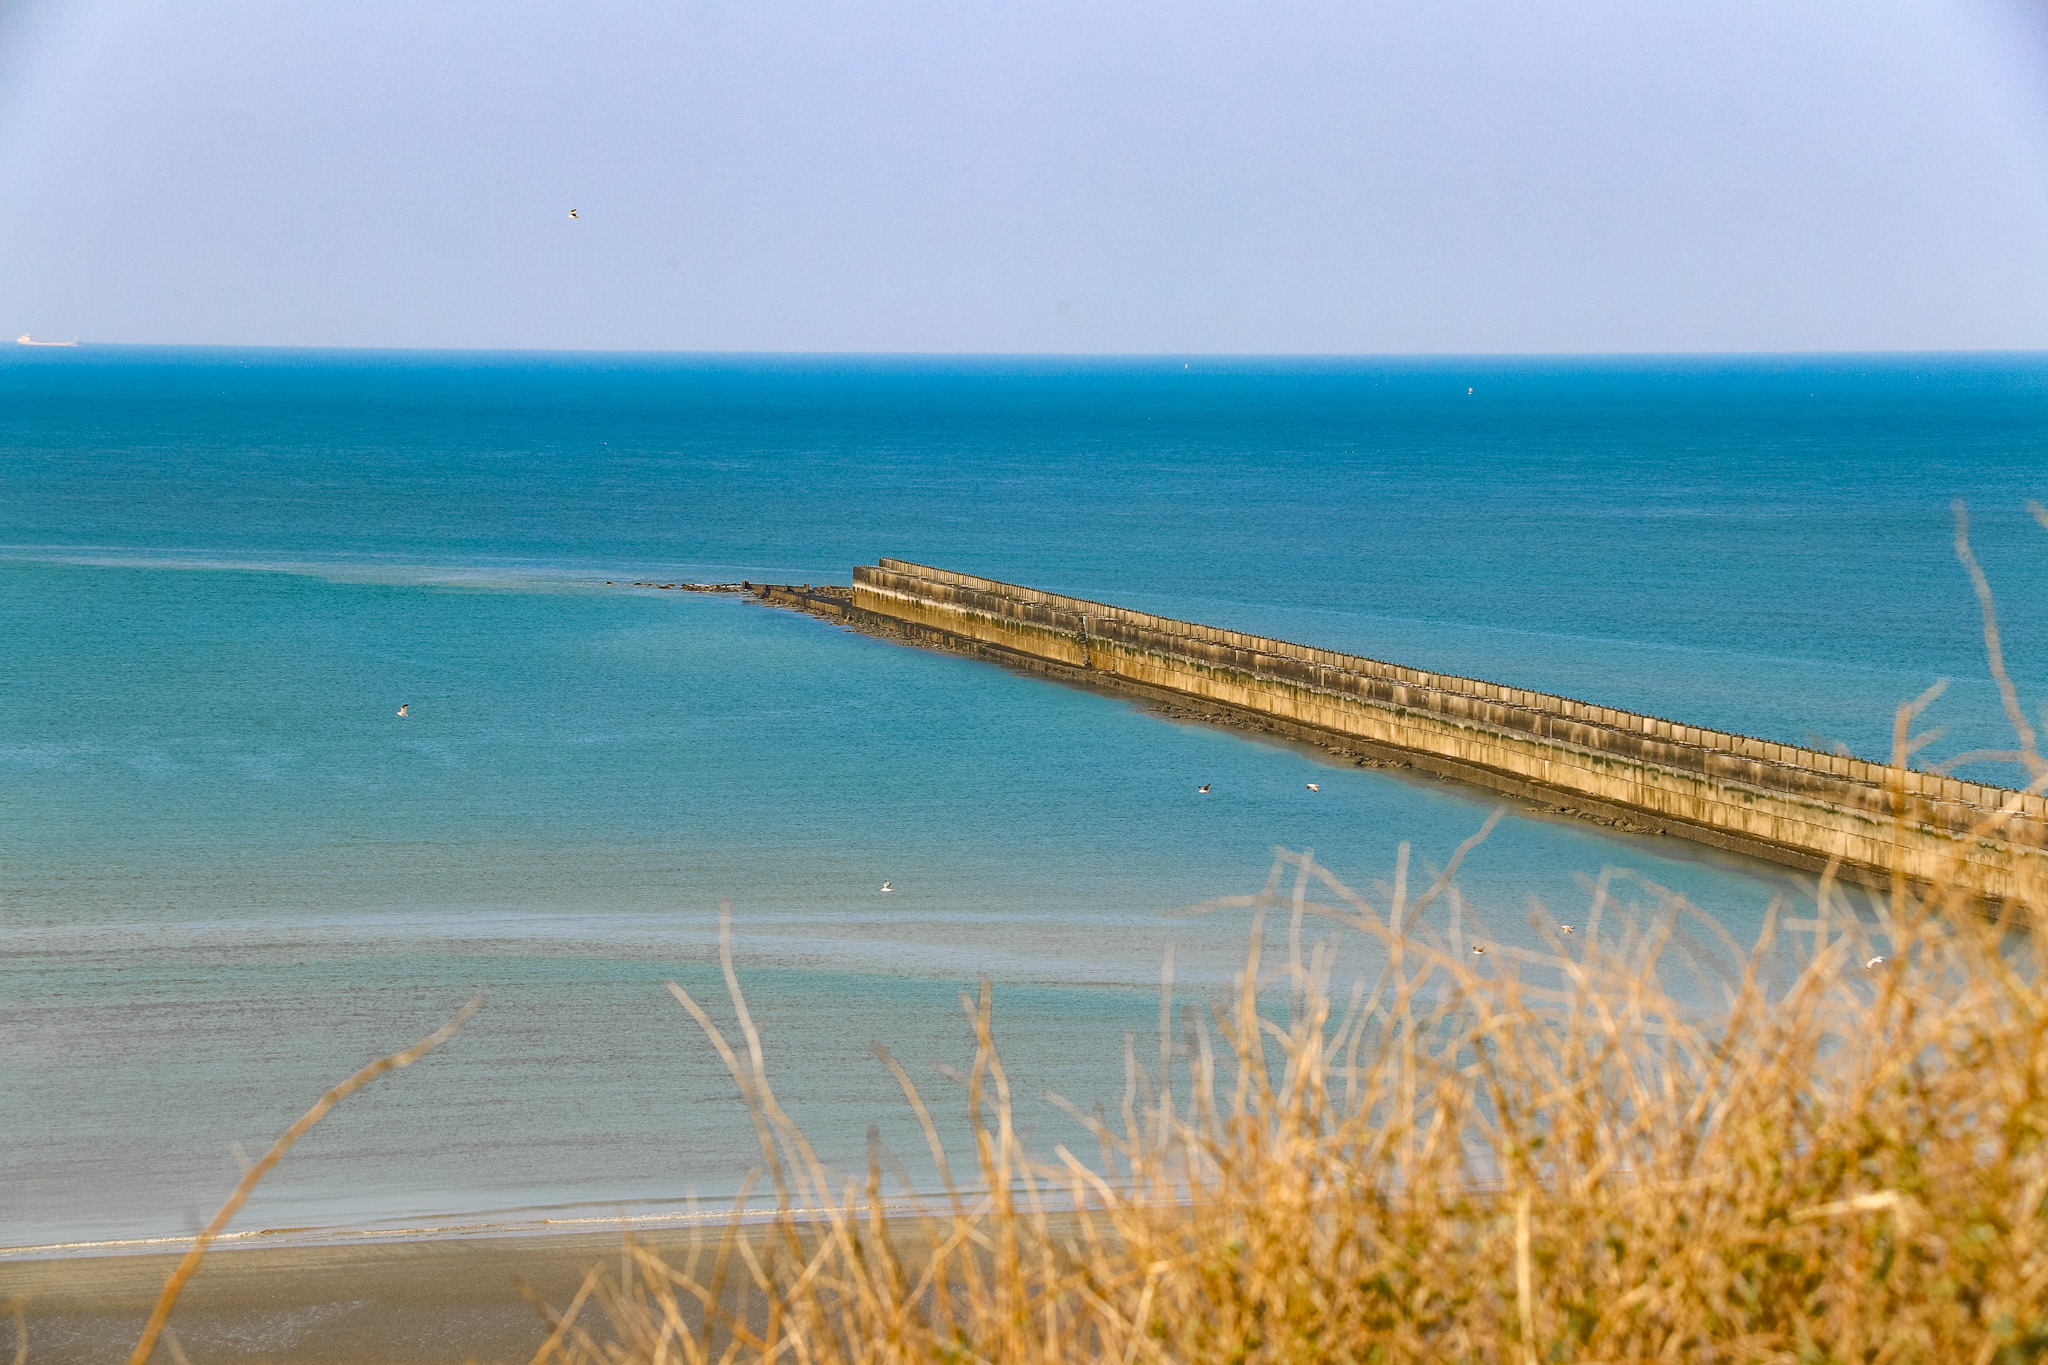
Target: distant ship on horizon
26, 340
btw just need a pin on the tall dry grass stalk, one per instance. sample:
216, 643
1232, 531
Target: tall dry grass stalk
157, 1327
1520, 1156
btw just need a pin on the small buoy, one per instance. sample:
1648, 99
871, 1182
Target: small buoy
888, 886
405, 709
1203, 789
1313, 787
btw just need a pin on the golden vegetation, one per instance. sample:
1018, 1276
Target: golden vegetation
1633, 1142
1515, 1156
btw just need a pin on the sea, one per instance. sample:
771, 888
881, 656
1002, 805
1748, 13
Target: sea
231, 873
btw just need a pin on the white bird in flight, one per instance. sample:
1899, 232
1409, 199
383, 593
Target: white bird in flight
572, 213
405, 709
1567, 930
1313, 787
1873, 964
1203, 789
888, 886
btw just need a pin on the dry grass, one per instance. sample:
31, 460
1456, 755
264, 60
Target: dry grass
1515, 1157
157, 1328
1788, 1153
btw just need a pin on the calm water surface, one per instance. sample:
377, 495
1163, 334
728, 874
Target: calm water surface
229, 874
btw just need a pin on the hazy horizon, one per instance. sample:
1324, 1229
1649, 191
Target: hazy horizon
1898, 353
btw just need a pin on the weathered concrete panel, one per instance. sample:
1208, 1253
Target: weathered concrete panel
1799, 806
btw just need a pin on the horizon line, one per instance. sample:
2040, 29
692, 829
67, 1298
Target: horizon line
81, 344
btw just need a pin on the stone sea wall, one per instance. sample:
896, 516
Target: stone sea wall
1797, 806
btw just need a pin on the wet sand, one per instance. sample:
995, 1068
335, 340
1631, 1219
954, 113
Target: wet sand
419, 1301
403, 1302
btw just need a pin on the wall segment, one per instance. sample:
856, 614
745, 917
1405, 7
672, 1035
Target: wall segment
1793, 805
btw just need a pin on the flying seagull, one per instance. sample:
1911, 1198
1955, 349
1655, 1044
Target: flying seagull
405, 709
888, 886
1478, 951
572, 213
1313, 787
1873, 964
1567, 930
1203, 789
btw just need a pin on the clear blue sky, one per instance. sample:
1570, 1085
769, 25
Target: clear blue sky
1058, 175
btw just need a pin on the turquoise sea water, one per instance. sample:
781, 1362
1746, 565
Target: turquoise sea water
229, 874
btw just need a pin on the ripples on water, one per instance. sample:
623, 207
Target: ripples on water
232, 874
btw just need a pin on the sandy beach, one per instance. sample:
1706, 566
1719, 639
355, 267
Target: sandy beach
415, 1302
386, 1301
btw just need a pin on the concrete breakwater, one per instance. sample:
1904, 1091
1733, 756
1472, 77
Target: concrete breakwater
1796, 806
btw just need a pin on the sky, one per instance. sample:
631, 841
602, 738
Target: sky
1075, 176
